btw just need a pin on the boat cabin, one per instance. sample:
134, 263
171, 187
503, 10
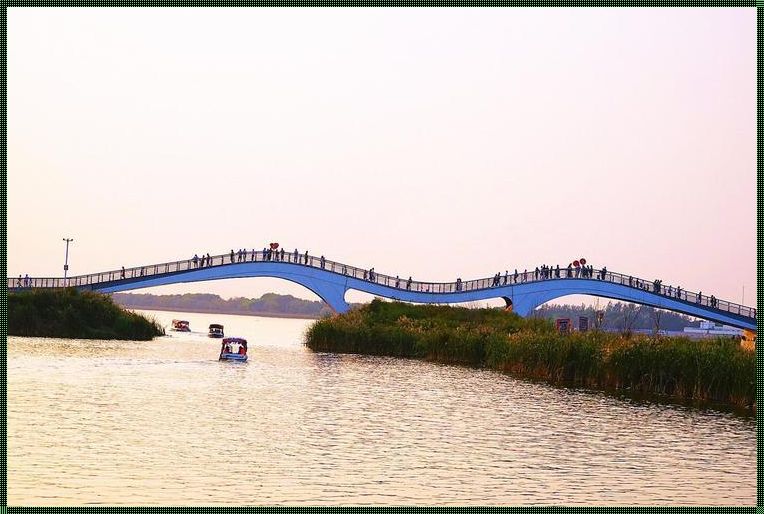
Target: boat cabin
180, 325
216, 330
233, 349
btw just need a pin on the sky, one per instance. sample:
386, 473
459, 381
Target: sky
437, 143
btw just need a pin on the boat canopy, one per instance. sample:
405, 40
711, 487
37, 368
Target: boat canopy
216, 325
235, 340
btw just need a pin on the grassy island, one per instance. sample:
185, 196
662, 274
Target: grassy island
709, 370
68, 313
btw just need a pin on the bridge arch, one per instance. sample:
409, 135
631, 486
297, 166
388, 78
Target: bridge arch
331, 280
328, 291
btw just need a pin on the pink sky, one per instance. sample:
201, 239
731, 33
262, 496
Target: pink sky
428, 142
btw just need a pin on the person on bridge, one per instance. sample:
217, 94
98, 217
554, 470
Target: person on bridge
323, 262
282, 254
697, 299
397, 282
506, 276
408, 283
122, 274
306, 256
231, 254
18, 282
514, 277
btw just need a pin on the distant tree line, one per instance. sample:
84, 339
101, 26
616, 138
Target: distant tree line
269, 303
617, 316
620, 316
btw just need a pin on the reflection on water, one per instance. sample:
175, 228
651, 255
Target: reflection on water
163, 422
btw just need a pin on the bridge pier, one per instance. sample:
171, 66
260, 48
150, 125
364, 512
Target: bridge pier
332, 294
523, 304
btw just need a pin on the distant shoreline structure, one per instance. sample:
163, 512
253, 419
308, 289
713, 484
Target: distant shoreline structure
268, 305
615, 316
210, 311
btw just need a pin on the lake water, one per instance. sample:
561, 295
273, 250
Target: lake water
164, 423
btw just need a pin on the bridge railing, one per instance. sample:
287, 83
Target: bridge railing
404, 284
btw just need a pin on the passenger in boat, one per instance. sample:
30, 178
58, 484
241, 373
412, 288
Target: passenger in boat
242, 350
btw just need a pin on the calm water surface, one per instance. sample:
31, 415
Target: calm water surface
164, 423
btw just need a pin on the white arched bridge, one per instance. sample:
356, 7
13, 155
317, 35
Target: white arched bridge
331, 280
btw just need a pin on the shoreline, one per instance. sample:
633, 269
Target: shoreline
203, 311
712, 373
73, 314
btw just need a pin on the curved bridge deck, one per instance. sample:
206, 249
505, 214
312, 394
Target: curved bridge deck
331, 280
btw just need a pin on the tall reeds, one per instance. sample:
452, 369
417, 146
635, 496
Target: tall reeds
717, 370
68, 313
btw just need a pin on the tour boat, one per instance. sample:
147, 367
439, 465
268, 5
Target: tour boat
233, 349
216, 330
180, 325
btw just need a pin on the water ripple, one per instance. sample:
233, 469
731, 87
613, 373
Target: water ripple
163, 423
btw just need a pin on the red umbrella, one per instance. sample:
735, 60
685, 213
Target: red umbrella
576, 264
274, 246
583, 261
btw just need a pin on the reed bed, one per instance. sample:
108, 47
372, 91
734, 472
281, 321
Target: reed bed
703, 371
68, 313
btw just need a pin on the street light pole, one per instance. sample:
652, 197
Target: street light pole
66, 259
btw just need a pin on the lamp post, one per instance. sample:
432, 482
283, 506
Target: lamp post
66, 259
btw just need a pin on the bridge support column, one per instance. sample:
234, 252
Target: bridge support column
332, 294
523, 304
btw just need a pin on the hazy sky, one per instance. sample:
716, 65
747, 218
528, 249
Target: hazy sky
428, 142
